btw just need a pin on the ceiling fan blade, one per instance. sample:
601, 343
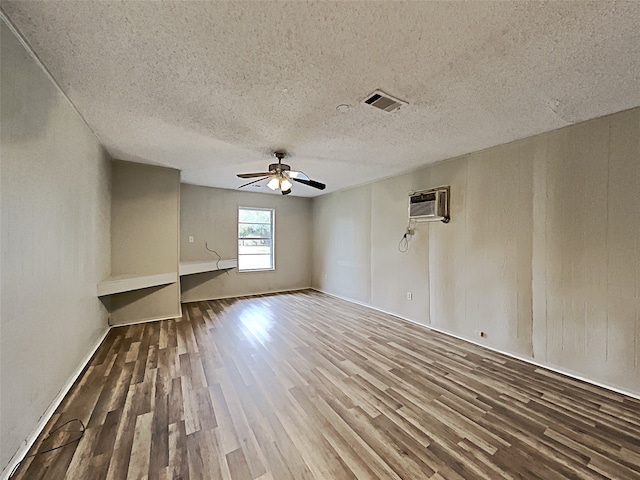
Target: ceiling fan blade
311, 183
255, 181
286, 192
301, 175
255, 174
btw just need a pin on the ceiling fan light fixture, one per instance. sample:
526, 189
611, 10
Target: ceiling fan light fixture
274, 183
281, 177
285, 184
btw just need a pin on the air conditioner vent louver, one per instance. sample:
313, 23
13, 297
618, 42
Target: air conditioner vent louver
429, 205
383, 101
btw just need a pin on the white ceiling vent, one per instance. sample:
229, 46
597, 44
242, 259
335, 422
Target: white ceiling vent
383, 101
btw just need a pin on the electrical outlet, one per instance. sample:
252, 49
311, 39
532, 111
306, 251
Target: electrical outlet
191, 238
409, 296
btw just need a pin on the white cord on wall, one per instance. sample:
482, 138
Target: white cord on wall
404, 245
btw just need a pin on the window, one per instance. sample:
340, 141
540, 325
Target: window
255, 239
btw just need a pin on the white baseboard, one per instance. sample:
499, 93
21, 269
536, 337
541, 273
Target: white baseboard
148, 320
29, 441
268, 292
529, 360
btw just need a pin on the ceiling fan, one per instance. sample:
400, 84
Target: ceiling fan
281, 176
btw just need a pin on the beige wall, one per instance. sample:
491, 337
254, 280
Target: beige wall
586, 261
480, 263
145, 205
210, 214
341, 232
541, 253
54, 199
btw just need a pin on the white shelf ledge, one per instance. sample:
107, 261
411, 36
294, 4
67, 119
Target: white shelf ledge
128, 283
201, 266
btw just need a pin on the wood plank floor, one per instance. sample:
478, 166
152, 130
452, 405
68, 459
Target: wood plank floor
306, 386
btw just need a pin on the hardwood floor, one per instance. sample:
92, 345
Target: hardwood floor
306, 386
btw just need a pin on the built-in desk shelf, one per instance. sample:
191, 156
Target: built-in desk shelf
128, 283
201, 266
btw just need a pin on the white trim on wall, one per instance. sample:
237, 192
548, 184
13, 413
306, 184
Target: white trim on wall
19, 456
245, 295
147, 320
29, 441
531, 361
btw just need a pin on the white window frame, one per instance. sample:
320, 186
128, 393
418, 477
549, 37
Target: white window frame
273, 240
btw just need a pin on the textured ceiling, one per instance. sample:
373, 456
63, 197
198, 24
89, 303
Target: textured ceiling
211, 88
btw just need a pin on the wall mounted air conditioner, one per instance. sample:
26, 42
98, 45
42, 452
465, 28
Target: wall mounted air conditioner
430, 205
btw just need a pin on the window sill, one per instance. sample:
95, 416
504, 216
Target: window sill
257, 270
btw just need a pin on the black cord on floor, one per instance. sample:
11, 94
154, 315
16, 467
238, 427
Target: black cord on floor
55, 430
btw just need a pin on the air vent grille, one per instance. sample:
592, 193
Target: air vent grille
383, 101
430, 205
